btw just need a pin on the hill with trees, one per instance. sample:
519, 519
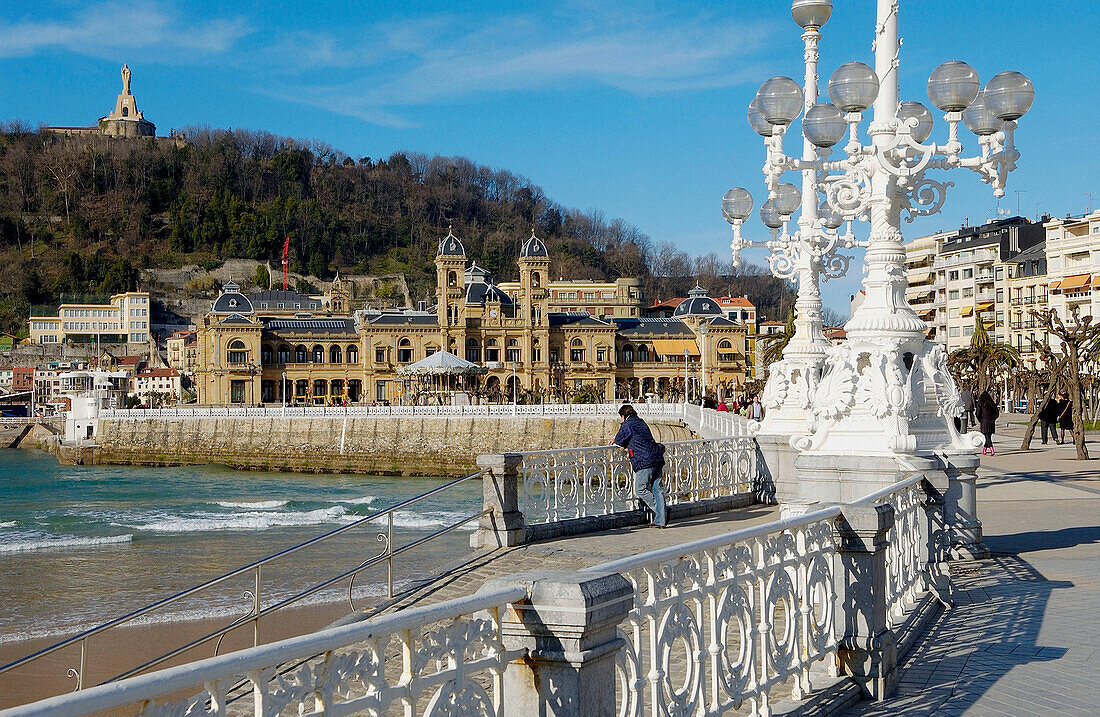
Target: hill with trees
82, 215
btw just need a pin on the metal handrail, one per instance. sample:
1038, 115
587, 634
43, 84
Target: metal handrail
257, 612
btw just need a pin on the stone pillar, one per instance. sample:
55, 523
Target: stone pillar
569, 630
504, 526
964, 530
778, 481
867, 647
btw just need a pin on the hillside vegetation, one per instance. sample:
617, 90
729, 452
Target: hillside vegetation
84, 215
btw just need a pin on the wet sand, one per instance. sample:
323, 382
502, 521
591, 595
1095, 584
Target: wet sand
118, 650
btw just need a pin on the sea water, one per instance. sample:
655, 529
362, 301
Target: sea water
83, 544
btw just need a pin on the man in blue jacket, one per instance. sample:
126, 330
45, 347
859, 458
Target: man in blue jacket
647, 458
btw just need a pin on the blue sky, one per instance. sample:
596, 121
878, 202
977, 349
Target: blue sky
634, 109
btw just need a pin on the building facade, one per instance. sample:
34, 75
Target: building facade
1073, 265
121, 319
519, 331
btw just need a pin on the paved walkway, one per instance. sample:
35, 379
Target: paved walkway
1024, 635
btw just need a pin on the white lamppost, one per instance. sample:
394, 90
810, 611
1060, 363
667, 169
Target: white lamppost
284, 392
686, 359
887, 389
703, 329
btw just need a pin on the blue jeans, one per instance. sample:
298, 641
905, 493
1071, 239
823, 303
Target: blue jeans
647, 484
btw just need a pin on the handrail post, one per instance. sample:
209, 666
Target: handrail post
389, 555
569, 630
867, 647
256, 607
504, 526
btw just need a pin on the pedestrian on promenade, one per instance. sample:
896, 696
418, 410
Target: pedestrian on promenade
1065, 417
756, 410
967, 397
1048, 417
647, 459
722, 406
987, 420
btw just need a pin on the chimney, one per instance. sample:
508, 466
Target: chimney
422, 306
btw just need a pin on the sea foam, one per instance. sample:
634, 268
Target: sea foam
253, 505
250, 520
62, 541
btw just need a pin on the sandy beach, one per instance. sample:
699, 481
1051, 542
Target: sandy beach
123, 648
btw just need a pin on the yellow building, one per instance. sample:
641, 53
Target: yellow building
529, 346
122, 319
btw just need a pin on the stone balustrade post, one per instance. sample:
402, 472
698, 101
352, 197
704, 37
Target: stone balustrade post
964, 530
569, 630
867, 647
504, 527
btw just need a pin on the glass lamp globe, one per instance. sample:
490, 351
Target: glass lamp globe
756, 120
824, 125
853, 87
979, 119
779, 100
953, 86
787, 198
829, 218
1008, 95
770, 215
811, 13
910, 110
736, 205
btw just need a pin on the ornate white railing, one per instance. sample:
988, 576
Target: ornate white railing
653, 410
572, 483
726, 619
906, 575
443, 659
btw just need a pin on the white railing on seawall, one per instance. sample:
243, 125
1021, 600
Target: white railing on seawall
697, 628
562, 484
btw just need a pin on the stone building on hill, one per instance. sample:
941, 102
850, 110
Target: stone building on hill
529, 347
125, 120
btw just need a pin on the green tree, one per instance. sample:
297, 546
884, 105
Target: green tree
983, 360
775, 343
262, 277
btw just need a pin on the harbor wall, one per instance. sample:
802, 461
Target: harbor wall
407, 445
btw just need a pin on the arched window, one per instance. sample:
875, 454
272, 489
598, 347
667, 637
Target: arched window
491, 342
301, 355
335, 354
452, 278
404, 351
513, 342
353, 354
267, 354
576, 350
643, 353
628, 353
473, 351
125, 111
536, 280
725, 350
492, 353
320, 388
725, 345
318, 354
238, 352
513, 353
429, 350
283, 354
301, 388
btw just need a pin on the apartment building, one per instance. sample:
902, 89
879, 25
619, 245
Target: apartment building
121, 319
1073, 264
968, 278
1027, 292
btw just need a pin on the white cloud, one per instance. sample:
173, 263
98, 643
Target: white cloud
108, 27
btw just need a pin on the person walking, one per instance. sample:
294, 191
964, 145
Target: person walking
647, 459
987, 420
757, 410
722, 406
1048, 417
967, 397
1065, 418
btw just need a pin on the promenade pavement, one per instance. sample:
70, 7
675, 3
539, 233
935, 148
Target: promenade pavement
1023, 637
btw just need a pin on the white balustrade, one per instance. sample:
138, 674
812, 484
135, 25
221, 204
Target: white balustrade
727, 619
581, 482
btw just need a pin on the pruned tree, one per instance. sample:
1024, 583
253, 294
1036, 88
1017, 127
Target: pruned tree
774, 344
1079, 346
983, 360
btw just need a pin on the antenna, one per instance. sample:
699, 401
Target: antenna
1018, 193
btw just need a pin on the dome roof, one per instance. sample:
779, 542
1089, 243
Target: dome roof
698, 304
534, 247
450, 245
232, 301
480, 287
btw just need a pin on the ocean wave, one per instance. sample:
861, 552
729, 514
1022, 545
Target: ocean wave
46, 543
431, 520
253, 505
365, 500
251, 520
8, 523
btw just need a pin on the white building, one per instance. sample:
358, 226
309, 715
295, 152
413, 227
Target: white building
1073, 265
87, 393
161, 382
122, 319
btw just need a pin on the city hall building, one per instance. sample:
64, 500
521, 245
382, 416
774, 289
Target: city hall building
251, 349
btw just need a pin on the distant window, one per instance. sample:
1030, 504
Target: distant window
380, 355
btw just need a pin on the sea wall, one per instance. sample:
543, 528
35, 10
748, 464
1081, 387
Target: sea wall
388, 445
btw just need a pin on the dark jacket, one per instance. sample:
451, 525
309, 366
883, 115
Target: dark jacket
987, 417
1065, 415
1050, 411
635, 436
967, 397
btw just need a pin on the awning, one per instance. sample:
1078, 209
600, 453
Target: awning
927, 314
919, 277
1053, 285
915, 291
675, 347
985, 306
1077, 281
966, 311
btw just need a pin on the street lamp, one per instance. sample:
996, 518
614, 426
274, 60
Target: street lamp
887, 389
703, 329
685, 376
284, 391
